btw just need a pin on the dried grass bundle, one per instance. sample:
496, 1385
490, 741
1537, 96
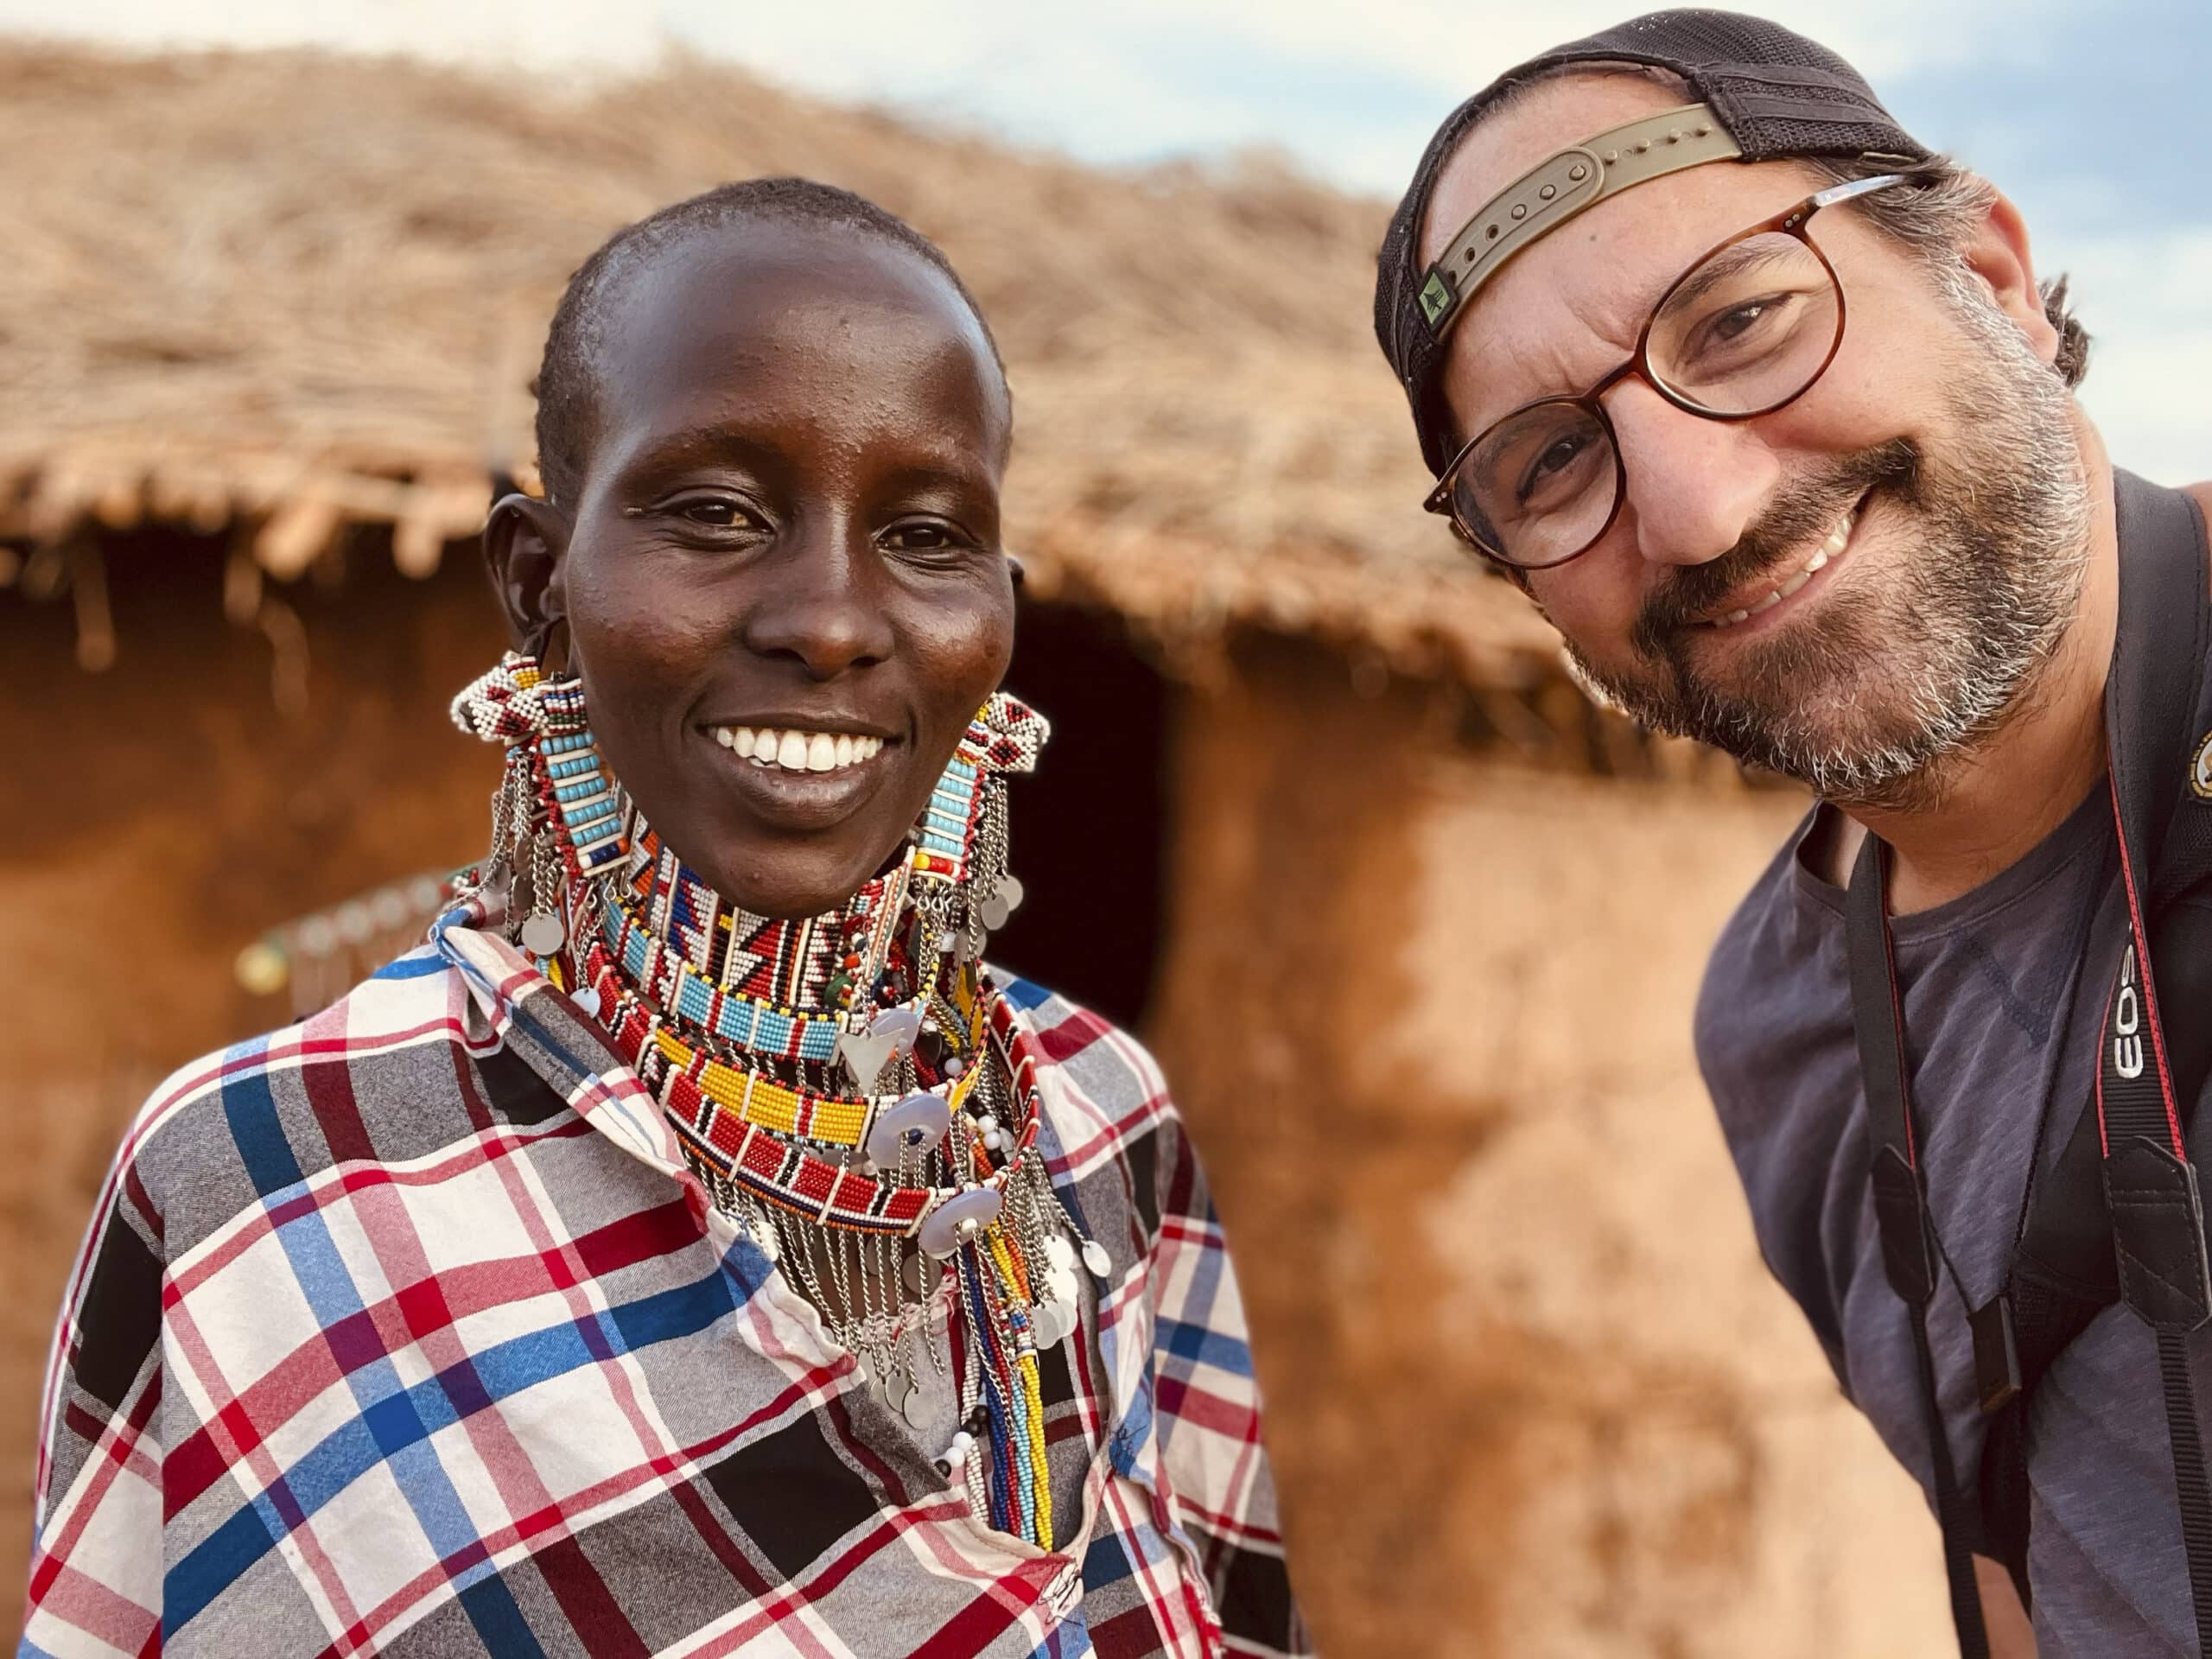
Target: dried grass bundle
292, 292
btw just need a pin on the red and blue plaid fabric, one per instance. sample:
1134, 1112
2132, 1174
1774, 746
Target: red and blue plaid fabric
405, 1331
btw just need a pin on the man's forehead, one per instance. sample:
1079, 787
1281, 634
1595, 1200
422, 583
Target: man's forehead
1550, 117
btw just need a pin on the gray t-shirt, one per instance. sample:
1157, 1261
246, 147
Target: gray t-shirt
1998, 1022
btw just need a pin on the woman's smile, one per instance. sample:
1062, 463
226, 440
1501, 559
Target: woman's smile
800, 776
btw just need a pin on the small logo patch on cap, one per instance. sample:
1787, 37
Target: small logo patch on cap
1436, 296
2200, 770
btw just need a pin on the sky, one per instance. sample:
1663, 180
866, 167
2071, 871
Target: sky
2091, 116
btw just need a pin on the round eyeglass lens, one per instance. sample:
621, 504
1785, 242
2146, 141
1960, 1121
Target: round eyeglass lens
1749, 329
1539, 487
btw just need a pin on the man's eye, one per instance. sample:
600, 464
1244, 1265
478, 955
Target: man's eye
1732, 324
1557, 457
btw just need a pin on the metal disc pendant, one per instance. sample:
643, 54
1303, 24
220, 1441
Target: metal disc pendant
916, 1406
993, 912
543, 934
1052, 1322
896, 1386
587, 999
1011, 891
910, 1274
912, 1125
958, 1219
1060, 1279
901, 1028
1095, 1258
865, 1053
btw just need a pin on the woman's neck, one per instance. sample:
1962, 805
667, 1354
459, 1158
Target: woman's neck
794, 963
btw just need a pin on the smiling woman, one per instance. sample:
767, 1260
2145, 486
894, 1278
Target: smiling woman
782, 516
681, 1249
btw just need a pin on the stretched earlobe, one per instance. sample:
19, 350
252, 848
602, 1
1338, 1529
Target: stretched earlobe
524, 540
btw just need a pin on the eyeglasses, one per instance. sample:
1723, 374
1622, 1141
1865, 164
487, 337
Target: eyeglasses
1744, 331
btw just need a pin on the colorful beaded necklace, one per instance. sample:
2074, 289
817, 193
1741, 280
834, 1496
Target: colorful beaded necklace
850, 1088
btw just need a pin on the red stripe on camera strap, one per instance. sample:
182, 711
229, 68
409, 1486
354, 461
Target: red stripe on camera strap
2150, 1189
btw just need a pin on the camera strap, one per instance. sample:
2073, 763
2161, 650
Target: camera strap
2152, 1227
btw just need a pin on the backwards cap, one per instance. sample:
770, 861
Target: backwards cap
1763, 94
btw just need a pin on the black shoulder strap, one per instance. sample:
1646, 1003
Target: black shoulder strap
2157, 1213
1901, 1204
2123, 1192
2064, 1269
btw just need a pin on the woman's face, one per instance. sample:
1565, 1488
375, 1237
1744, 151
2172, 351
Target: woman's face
787, 531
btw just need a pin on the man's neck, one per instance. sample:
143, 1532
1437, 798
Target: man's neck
1998, 801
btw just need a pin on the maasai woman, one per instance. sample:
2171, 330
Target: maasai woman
692, 1248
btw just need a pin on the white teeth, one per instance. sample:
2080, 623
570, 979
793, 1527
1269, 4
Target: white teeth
1838, 539
796, 751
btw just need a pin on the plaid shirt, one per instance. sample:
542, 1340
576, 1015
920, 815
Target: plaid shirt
405, 1330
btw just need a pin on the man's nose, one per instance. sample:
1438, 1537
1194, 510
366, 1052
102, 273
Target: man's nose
1694, 486
820, 603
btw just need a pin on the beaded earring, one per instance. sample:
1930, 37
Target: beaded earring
557, 816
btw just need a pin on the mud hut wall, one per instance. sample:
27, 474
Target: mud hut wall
1531, 1390
156, 817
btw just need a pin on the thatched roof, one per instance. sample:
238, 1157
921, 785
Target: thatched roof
286, 293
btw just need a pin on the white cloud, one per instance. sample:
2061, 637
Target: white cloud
1130, 81
558, 35
1350, 92
1118, 83
2143, 300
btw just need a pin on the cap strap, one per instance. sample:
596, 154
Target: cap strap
1548, 194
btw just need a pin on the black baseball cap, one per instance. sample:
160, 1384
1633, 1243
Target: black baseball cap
1761, 94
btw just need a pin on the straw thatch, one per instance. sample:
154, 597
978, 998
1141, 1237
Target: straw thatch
287, 293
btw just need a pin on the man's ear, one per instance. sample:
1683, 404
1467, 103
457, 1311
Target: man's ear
1998, 253
524, 540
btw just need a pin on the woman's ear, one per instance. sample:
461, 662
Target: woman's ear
524, 540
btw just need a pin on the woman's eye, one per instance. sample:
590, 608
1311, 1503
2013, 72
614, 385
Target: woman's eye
718, 512
923, 537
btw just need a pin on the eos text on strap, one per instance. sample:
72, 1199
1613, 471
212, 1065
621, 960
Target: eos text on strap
2120, 1215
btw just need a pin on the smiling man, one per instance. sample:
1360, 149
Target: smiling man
1763, 405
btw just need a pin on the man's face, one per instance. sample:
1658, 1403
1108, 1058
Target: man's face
1921, 511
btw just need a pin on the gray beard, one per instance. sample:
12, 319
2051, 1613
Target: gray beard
1868, 699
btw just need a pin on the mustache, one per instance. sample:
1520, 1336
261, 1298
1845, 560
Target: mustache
1805, 510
